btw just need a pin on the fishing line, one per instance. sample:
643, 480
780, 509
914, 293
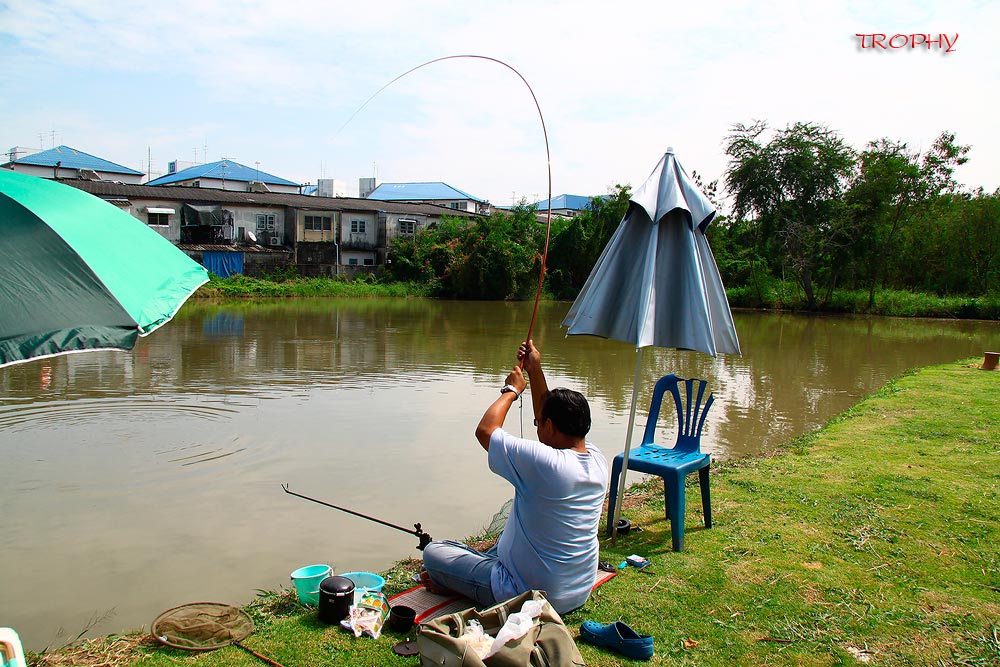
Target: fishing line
548, 159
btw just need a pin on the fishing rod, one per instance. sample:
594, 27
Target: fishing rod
417, 532
548, 161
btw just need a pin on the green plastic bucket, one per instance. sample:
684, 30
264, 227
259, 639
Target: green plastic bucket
307, 579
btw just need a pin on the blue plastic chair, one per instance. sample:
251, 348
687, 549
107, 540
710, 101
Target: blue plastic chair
673, 465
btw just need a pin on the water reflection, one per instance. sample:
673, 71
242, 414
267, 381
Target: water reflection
160, 470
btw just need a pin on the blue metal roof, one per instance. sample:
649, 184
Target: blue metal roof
70, 158
569, 202
223, 170
419, 192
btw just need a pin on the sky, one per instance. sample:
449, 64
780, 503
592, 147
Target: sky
293, 87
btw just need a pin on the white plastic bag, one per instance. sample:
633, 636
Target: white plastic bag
517, 625
477, 638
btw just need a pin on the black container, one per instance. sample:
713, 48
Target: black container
336, 595
401, 617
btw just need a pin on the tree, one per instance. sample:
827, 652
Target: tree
883, 198
577, 243
893, 188
494, 257
790, 188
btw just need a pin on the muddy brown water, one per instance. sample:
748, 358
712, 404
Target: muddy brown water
132, 483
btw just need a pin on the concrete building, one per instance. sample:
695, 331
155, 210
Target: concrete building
437, 193
567, 206
226, 175
254, 232
63, 162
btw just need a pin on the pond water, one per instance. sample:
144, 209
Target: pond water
134, 482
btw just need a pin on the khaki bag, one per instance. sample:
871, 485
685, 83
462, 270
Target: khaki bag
547, 644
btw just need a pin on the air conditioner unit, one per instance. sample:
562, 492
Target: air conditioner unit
274, 240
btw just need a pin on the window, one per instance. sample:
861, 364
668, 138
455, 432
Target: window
353, 261
318, 223
265, 223
158, 219
358, 226
369, 261
457, 205
407, 227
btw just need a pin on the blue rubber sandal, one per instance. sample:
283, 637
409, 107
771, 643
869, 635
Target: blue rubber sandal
618, 637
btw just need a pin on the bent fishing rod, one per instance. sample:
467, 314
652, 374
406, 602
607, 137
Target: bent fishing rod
417, 532
548, 161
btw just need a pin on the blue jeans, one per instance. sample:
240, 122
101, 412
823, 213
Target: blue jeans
460, 568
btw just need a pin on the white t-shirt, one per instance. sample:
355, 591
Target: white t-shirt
550, 540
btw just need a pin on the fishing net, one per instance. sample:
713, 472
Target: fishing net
202, 626
500, 518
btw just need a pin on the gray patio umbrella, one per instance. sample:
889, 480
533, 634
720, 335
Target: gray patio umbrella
657, 283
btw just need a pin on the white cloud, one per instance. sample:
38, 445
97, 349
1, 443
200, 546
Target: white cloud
275, 81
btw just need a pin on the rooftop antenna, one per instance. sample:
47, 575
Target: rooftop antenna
258, 170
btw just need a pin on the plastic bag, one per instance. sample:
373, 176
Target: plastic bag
477, 639
368, 616
517, 625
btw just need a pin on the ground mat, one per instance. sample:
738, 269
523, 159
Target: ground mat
430, 605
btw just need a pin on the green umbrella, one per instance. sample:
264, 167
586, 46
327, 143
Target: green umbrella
78, 274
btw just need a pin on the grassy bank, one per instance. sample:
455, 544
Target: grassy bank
774, 295
873, 540
777, 295
291, 286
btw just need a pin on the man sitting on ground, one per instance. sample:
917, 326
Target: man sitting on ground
550, 539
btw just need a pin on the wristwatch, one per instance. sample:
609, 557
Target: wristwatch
510, 387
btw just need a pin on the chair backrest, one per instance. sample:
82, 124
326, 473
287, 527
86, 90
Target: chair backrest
691, 412
11, 652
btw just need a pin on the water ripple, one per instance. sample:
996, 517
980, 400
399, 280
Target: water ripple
119, 409
200, 456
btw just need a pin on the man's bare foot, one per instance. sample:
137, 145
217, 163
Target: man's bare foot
431, 587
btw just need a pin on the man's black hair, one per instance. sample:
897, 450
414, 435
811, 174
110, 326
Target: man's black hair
568, 410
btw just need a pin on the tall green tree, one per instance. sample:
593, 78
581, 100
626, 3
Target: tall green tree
892, 189
979, 231
578, 242
789, 185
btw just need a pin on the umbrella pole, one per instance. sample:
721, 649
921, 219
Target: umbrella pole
628, 445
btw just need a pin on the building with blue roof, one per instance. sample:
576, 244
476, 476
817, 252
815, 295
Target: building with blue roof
437, 193
565, 205
63, 162
227, 175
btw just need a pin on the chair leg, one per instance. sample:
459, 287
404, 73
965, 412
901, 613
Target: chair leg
616, 469
706, 496
675, 510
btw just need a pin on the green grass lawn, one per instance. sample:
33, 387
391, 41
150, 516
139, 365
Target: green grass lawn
871, 541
